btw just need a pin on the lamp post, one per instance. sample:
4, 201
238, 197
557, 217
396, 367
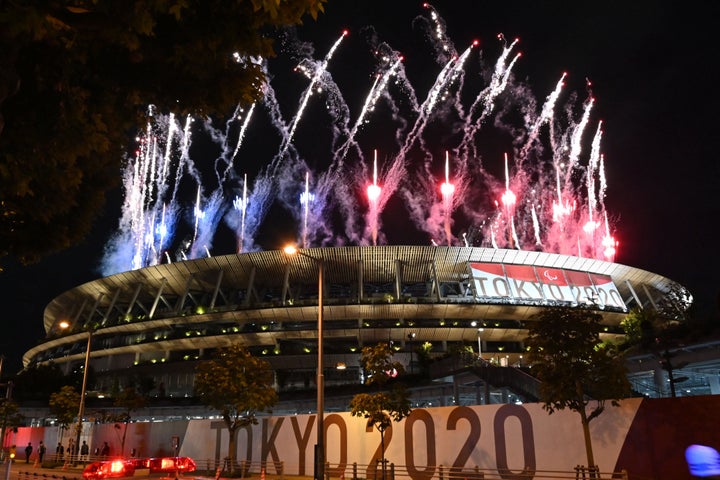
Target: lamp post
479, 333
81, 409
320, 381
410, 339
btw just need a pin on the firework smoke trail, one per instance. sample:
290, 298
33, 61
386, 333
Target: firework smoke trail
434, 216
509, 200
591, 169
373, 193
563, 206
449, 75
144, 180
160, 182
603, 181
486, 99
576, 140
379, 192
185, 160
443, 45
153, 180
536, 225
499, 79
198, 214
378, 88
609, 243
240, 204
316, 76
225, 157
546, 116
206, 223
305, 198
447, 189
250, 209
272, 107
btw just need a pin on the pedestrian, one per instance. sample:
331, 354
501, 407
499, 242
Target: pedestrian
59, 452
28, 452
70, 449
41, 452
105, 452
84, 450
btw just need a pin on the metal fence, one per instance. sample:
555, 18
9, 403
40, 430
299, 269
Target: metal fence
390, 471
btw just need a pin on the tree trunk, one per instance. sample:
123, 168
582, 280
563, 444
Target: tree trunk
382, 452
588, 440
232, 449
122, 444
586, 430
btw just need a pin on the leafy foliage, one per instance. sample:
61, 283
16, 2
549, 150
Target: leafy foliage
378, 364
129, 399
237, 385
383, 407
573, 364
64, 405
77, 77
9, 415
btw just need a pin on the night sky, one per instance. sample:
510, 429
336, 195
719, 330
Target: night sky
654, 78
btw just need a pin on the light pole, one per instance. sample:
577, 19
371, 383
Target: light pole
479, 333
81, 409
320, 381
410, 339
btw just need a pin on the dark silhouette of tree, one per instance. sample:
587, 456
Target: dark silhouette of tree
76, 80
576, 369
64, 405
238, 386
664, 330
10, 416
129, 399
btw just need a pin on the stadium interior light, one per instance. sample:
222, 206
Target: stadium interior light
320, 382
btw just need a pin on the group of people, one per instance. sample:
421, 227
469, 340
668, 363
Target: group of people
62, 453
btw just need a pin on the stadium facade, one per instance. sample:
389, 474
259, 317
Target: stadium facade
161, 320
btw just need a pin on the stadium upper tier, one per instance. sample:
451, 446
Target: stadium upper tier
444, 297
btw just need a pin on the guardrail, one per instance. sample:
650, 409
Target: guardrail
355, 471
212, 468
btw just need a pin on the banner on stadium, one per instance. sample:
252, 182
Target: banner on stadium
529, 283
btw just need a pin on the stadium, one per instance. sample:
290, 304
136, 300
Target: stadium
433, 303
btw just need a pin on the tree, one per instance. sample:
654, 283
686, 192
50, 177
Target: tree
574, 365
10, 417
129, 399
663, 331
64, 405
237, 385
383, 407
77, 79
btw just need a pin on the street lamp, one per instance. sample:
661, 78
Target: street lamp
320, 442
81, 409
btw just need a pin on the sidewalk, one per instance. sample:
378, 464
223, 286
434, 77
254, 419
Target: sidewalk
28, 470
